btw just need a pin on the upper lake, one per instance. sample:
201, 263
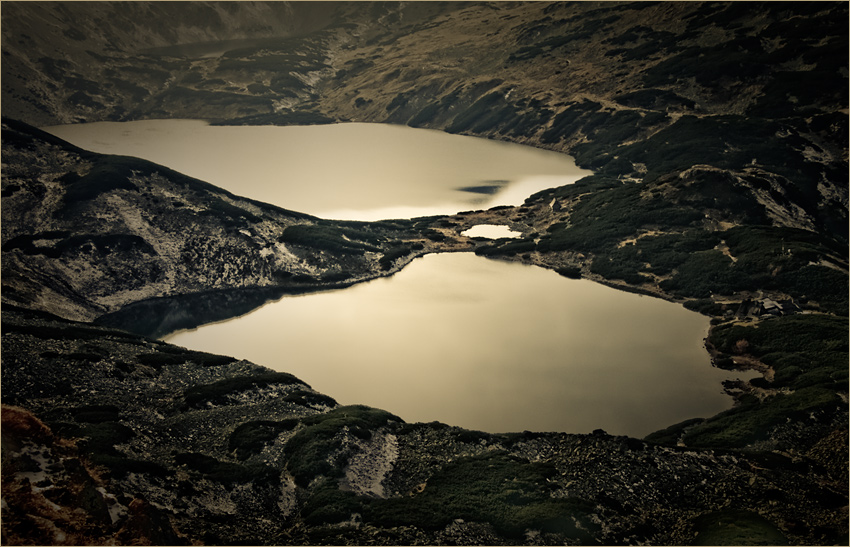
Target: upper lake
351, 171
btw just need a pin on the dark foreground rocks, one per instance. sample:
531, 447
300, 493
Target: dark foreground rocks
109, 436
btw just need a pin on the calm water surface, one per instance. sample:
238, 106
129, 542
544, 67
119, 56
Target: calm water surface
353, 171
487, 345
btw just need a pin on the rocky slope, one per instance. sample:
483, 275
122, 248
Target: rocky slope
717, 135
88, 234
728, 115
217, 450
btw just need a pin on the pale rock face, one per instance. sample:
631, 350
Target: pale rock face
368, 468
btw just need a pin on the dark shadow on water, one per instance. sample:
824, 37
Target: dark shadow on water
159, 317
489, 187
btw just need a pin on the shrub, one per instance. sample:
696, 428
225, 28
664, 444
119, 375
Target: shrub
753, 421
280, 118
506, 247
330, 238
218, 392
390, 256
328, 504
610, 268
98, 437
119, 465
109, 173
804, 350
315, 449
736, 527
309, 398
225, 472
229, 214
571, 272
705, 306
671, 435
167, 358
250, 438
486, 113
509, 493
66, 244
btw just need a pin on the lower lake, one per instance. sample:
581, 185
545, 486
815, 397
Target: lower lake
487, 345
456, 338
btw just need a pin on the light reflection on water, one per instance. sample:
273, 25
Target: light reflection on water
487, 345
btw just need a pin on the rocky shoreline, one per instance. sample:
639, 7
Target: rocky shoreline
177, 464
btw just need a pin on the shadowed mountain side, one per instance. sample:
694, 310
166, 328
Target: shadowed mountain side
87, 234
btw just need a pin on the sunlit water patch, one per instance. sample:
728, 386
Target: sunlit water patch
491, 231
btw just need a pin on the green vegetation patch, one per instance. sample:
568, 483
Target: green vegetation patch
654, 99
229, 214
55, 244
330, 238
99, 437
506, 247
736, 527
225, 472
220, 391
309, 398
510, 493
434, 110
316, 449
328, 504
282, 64
386, 262
250, 438
165, 358
571, 272
754, 420
804, 350
69, 331
608, 212
809, 354
672, 434
569, 121
301, 117
486, 113
109, 173
766, 258
601, 219
728, 142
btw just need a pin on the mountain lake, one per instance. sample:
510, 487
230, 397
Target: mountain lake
456, 338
